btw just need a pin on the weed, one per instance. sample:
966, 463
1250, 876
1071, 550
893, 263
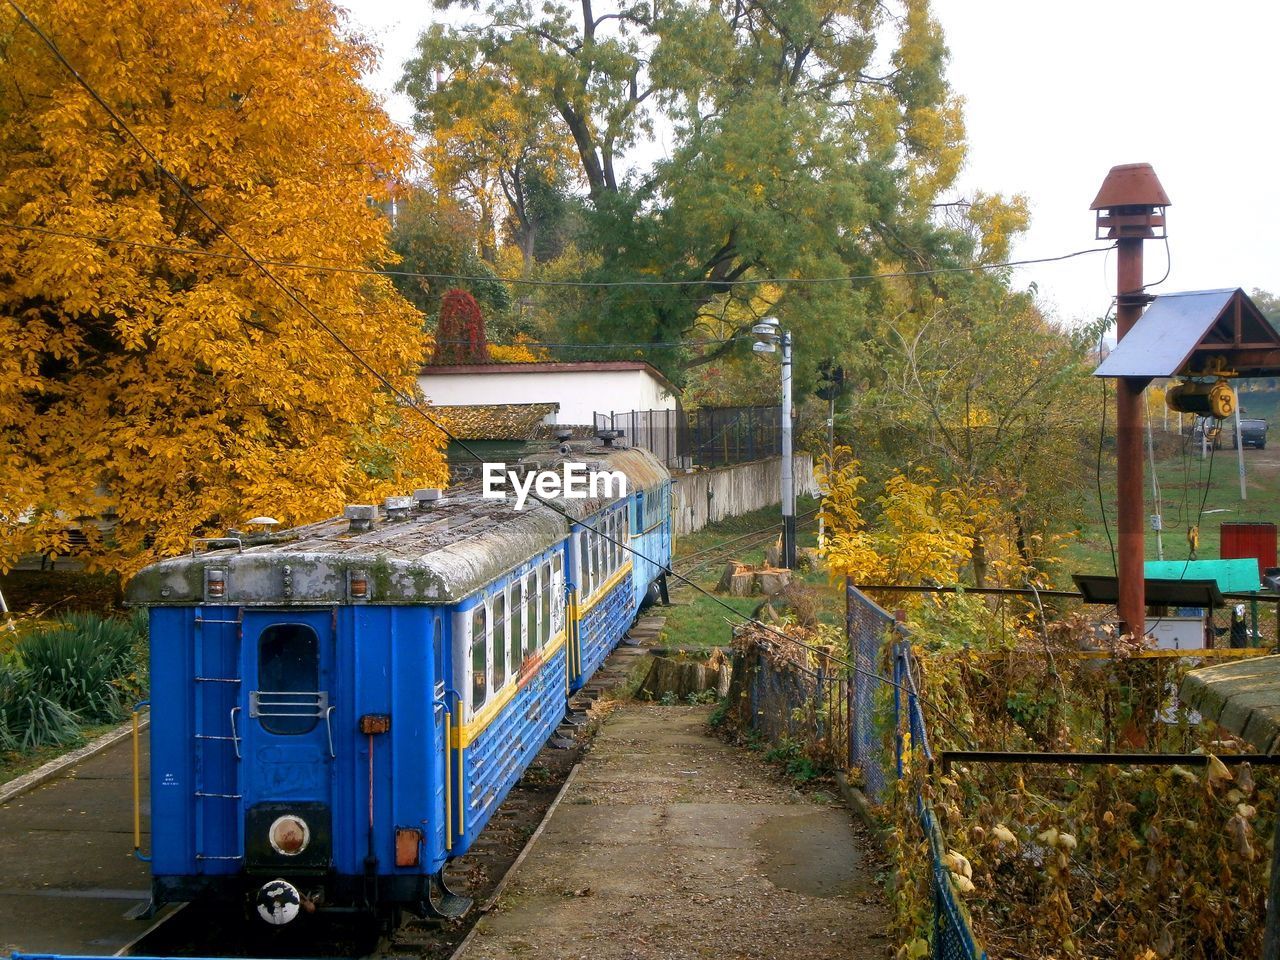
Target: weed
703, 696
789, 755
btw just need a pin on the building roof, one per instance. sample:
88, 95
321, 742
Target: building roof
494, 421
541, 366
1180, 332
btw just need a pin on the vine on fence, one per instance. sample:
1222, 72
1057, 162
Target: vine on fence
1124, 862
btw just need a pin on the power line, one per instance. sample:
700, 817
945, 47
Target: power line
243, 257
411, 402
602, 346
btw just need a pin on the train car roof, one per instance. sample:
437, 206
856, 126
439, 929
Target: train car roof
439, 555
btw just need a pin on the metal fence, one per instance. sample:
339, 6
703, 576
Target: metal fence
887, 717
723, 435
711, 436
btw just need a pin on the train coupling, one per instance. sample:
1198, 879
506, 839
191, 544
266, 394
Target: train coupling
278, 902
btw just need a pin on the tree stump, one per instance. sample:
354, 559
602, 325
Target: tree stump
773, 582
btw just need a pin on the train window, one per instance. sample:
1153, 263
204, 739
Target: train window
597, 556
545, 634
531, 613
584, 563
479, 658
499, 641
288, 662
517, 627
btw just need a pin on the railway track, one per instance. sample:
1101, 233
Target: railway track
689, 564
201, 930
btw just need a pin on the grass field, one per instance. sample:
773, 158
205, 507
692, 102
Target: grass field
697, 621
1193, 490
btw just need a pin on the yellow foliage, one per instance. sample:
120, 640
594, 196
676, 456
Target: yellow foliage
922, 533
522, 351
187, 394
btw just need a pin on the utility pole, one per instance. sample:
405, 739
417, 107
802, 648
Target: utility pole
1127, 206
771, 333
788, 475
1244, 493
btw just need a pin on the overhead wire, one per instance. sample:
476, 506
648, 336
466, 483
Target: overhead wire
243, 257
410, 401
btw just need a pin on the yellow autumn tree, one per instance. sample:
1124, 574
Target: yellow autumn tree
177, 394
921, 533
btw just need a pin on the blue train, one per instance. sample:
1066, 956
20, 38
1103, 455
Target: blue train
337, 710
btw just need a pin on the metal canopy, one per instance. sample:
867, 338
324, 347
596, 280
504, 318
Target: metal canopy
1181, 332
1159, 593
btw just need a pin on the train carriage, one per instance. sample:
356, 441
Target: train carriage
338, 710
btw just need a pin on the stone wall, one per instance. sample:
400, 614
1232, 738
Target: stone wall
710, 495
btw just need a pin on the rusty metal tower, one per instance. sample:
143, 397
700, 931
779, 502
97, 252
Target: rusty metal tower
1130, 210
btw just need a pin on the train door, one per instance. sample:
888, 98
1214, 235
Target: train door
444, 718
288, 743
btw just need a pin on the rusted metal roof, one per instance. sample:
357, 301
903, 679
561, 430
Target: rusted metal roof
495, 421
1181, 332
1128, 185
462, 543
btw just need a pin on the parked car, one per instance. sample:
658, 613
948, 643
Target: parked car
1253, 433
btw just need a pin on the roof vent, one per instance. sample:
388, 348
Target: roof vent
564, 435
607, 437
361, 516
427, 497
397, 508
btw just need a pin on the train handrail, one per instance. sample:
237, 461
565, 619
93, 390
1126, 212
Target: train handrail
137, 782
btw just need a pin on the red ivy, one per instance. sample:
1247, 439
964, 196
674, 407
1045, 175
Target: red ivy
460, 335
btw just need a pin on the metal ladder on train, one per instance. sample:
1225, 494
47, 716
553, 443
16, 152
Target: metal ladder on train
204, 686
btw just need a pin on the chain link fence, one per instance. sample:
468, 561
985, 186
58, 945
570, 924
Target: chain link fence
887, 717
865, 716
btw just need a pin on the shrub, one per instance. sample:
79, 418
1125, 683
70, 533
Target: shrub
83, 662
28, 718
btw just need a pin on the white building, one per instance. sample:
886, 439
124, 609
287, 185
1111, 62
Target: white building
580, 389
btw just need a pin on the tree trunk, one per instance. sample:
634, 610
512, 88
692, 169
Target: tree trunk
979, 562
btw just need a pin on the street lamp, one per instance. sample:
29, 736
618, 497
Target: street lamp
771, 334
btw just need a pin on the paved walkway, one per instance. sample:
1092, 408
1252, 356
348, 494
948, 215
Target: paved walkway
69, 872
672, 844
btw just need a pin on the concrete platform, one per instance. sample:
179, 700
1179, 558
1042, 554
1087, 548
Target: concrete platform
672, 844
69, 873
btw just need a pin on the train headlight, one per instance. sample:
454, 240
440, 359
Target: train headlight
289, 835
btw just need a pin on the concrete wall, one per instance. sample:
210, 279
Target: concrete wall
710, 495
580, 393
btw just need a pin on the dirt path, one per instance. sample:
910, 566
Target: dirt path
671, 844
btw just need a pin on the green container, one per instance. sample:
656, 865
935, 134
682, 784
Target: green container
1232, 576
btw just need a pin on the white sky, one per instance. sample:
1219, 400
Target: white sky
1055, 96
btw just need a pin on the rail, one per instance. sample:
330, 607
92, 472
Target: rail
137, 781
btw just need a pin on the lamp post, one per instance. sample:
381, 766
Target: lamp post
771, 334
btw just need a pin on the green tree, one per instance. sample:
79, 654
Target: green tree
976, 385
438, 238
799, 146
